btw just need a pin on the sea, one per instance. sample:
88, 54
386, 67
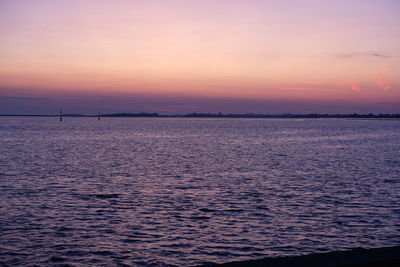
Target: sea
192, 191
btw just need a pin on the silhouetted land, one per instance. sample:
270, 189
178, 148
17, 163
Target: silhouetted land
377, 257
221, 115
289, 115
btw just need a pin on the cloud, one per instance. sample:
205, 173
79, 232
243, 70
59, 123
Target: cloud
382, 77
298, 88
365, 54
356, 87
11, 97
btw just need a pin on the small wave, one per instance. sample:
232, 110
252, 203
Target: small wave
103, 253
233, 210
200, 218
107, 196
57, 259
392, 181
207, 210
131, 240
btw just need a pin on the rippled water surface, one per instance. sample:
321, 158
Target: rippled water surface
166, 191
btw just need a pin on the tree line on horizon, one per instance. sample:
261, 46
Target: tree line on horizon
231, 115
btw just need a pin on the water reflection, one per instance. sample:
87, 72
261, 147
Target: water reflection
190, 191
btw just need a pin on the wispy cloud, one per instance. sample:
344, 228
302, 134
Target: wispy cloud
382, 77
11, 97
297, 88
365, 54
356, 87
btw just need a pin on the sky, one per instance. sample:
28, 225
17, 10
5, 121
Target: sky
183, 56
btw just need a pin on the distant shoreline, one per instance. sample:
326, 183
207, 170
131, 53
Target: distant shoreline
220, 115
379, 257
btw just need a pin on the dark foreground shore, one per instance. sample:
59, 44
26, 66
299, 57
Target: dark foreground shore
382, 257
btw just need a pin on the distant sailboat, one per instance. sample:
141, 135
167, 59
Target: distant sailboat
61, 118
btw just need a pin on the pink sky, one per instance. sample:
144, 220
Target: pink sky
300, 54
